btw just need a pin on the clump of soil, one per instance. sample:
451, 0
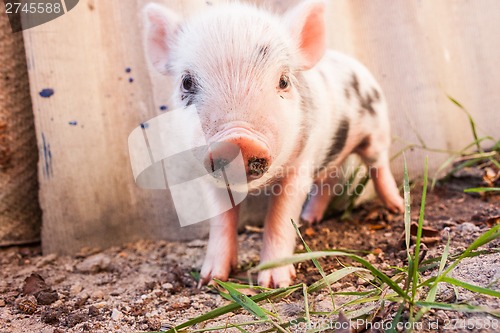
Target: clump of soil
148, 286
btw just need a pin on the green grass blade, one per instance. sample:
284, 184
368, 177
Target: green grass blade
241, 329
496, 146
494, 161
308, 249
419, 233
407, 225
361, 312
459, 307
429, 264
444, 257
243, 300
393, 297
246, 286
355, 293
333, 277
293, 322
431, 296
318, 254
306, 304
471, 287
233, 307
471, 121
407, 201
224, 327
482, 189
397, 319
315, 262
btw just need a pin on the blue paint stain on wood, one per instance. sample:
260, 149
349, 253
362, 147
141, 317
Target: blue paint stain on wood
144, 125
130, 79
128, 70
47, 92
163, 107
73, 122
47, 157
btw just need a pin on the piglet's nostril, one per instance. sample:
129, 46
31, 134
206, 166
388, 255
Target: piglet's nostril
257, 166
219, 163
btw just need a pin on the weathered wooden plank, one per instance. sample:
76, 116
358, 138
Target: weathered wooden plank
87, 192
417, 50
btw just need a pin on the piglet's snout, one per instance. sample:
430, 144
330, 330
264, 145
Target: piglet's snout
256, 155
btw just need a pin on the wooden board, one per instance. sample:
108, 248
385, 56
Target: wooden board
419, 51
87, 191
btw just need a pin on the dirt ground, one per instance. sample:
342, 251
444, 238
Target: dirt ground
148, 286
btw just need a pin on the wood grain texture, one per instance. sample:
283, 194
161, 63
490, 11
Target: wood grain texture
419, 51
87, 191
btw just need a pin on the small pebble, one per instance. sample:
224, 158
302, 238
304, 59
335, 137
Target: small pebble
98, 295
94, 264
116, 315
100, 305
167, 286
46, 260
46, 297
2, 303
75, 289
93, 311
467, 227
50, 316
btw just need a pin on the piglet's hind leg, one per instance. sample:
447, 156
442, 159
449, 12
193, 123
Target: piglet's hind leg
376, 157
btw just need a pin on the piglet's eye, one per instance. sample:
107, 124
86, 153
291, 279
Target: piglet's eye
284, 82
188, 83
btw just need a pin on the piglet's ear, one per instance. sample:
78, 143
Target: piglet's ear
161, 24
306, 23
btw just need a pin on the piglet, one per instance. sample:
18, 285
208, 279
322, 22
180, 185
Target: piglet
267, 84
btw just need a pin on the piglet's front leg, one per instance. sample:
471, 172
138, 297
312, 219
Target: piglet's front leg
222, 250
279, 233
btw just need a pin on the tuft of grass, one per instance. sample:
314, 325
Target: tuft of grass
405, 288
468, 159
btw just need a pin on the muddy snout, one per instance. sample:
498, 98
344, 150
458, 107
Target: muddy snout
255, 154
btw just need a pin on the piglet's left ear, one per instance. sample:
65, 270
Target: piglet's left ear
306, 23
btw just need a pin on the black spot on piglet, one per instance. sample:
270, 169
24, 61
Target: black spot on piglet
338, 142
365, 100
